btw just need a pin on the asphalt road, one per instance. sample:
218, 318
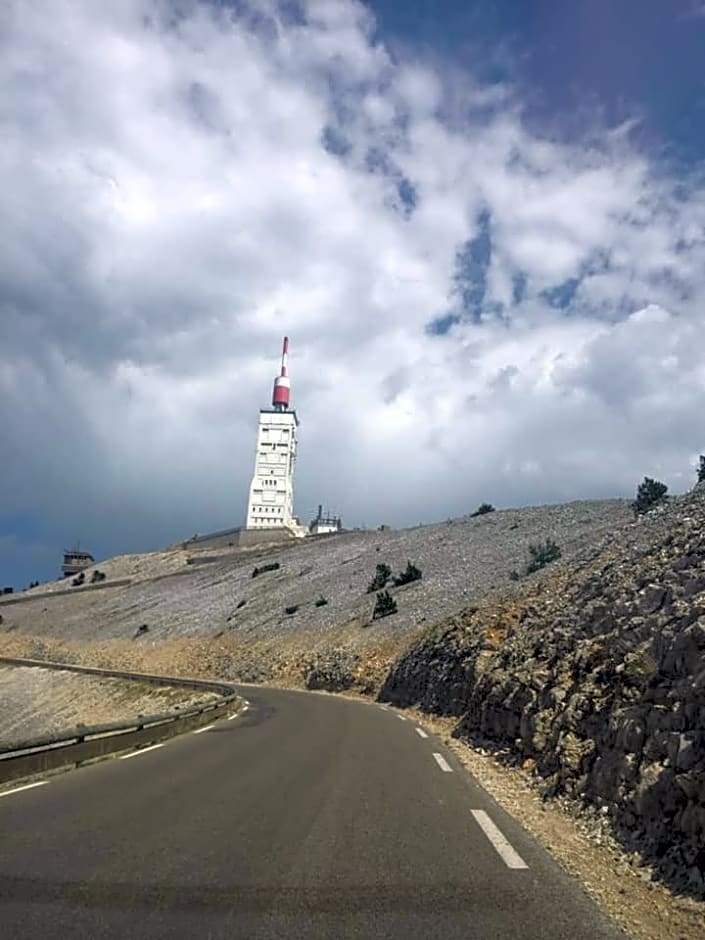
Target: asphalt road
308, 816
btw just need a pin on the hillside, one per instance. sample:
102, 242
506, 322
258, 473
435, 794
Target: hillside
180, 595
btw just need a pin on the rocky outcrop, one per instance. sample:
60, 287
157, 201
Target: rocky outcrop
439, 673
599, 686
333, 672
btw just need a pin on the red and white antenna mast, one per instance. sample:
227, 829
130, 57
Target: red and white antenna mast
282, 386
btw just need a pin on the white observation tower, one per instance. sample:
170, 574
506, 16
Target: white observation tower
271, 502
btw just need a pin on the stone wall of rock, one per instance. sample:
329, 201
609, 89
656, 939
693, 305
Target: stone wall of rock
332, 672
599, 686
439, 672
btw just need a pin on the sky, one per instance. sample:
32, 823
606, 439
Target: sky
481, 224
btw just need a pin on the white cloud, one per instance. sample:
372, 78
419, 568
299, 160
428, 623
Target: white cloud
418, 89
169, 209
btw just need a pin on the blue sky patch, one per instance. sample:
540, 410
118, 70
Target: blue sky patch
335, 142
471, 264
407, 194
518, 287
561, 296
441, 325
572, 60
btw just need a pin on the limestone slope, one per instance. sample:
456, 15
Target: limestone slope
176, 595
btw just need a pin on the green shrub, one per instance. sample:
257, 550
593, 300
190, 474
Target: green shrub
291, 610
412, 573
384, 606
273, 566
482, 510
79, 579
514, 575
384, 573
97, 576
649, 494
542, 555
701, 470
321, 602
141, 630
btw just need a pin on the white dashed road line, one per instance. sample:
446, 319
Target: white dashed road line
27, 786
240, 712
143, 750
421, 733
509, 856
401, 717
201, 730
443, 763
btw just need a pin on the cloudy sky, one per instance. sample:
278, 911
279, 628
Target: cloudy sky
482, 224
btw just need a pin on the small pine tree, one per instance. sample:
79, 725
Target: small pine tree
542, 555
384, 573
264, 568
482, 510
649, 494
384, 606
412, 573
701, 470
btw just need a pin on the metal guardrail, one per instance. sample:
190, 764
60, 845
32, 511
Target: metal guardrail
37, 755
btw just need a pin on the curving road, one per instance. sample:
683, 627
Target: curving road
308, 816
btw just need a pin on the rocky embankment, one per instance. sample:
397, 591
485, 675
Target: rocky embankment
595, 681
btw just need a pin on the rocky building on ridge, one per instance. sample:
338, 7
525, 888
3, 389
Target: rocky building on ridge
325, 523
76, 561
